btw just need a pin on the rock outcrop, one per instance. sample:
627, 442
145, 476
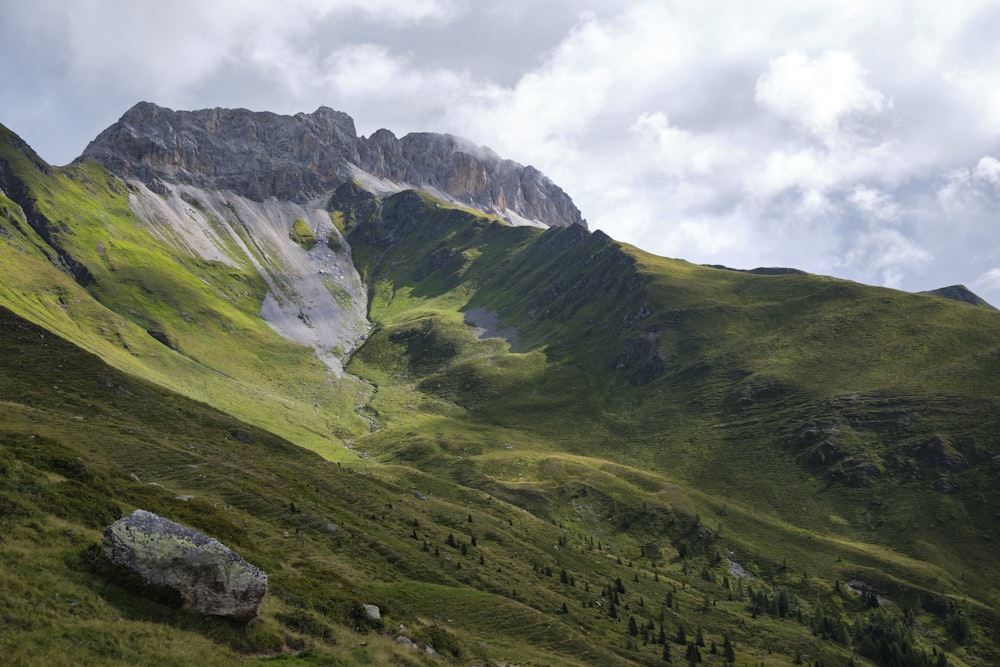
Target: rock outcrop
209, 576
304, 157
471, 174
372, 613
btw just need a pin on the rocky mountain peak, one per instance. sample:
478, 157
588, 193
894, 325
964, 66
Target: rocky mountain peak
305, 157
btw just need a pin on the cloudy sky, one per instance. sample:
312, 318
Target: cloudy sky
852, 138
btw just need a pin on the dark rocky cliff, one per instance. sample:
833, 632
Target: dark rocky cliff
306, 156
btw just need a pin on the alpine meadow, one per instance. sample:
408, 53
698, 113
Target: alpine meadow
403, 373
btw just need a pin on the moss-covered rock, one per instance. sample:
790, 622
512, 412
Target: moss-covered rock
303, 234
210, 577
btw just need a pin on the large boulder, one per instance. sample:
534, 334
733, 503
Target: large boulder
209, 576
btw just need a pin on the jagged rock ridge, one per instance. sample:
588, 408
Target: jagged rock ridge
306, 156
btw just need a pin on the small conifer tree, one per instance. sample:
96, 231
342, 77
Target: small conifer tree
728, 651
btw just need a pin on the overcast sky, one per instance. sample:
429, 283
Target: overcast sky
852, 138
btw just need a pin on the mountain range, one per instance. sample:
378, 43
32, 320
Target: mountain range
404, 372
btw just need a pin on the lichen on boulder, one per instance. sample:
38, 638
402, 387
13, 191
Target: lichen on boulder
209, 576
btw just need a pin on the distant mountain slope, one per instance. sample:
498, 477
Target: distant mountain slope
304, 157
762, 270
960, 293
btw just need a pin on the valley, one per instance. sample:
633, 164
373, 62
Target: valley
525, 443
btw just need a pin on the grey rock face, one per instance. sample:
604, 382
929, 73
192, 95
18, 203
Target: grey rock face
210, 577
254, 154
470, 173
306, 156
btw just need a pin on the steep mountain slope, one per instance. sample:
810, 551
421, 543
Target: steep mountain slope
624, 448
856, 423
177, 295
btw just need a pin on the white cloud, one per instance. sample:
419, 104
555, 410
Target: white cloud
874, 204
167, 47
819, 168
988, 170
715, 161
969, 192
781, 170
410, 11
981, 88
819, 94
591, 80
679, 152
885, 256
988, 281
370, 71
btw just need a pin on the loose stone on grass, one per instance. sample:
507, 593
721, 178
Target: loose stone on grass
209, 576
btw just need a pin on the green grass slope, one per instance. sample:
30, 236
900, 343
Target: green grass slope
478, 579
832, 429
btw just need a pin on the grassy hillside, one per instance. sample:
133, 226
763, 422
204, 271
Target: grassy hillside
555, 448
479, 579
828, 428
